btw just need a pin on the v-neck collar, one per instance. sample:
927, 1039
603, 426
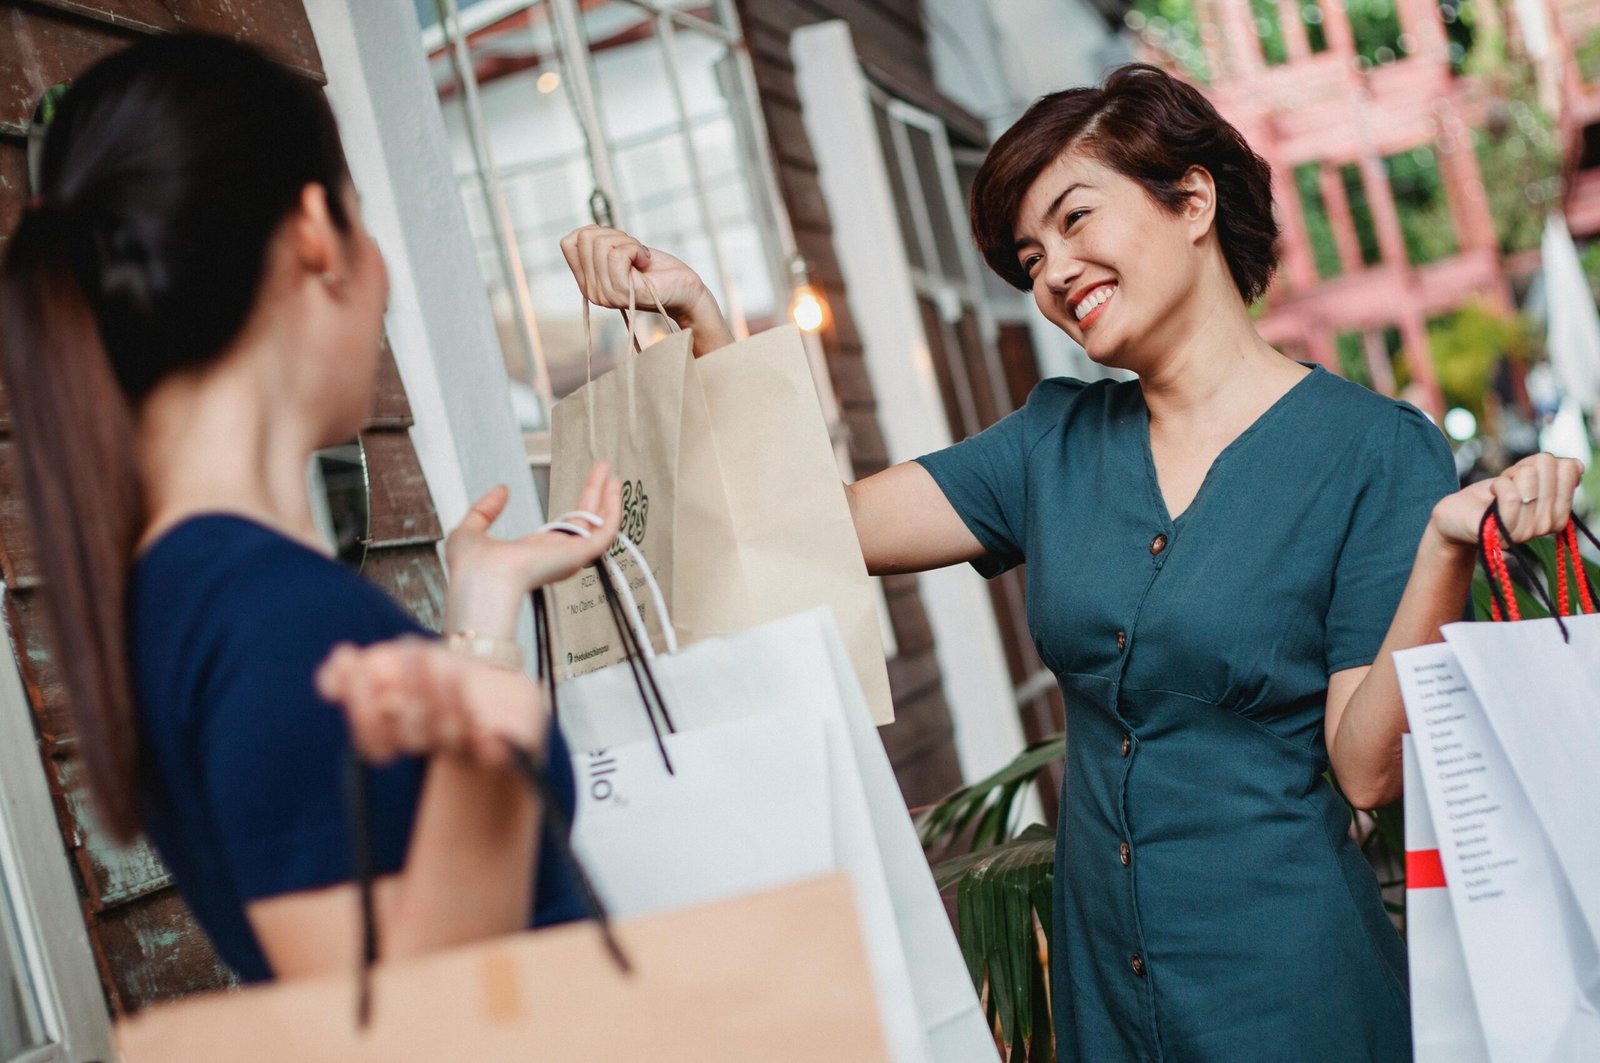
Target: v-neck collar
1270, 413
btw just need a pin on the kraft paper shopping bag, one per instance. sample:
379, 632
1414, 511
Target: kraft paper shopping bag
797, 542
779, 976
648, 417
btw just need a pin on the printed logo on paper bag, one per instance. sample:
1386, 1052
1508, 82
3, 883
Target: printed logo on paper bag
602, 788
635, 512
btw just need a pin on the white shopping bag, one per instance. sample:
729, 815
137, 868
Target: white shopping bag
745, 809
1444, 1018
1531, 960
798, 666
1540, 690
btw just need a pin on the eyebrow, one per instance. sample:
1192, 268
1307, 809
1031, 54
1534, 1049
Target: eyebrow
1050, 212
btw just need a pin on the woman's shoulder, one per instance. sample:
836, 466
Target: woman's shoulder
229, 576
1378, 432
1057, 402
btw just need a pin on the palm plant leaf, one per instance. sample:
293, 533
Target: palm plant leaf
990, 802
1003, 920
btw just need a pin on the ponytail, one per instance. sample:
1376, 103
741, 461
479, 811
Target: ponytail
167, 170
73, 429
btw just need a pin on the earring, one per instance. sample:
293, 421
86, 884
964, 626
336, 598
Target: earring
333, 282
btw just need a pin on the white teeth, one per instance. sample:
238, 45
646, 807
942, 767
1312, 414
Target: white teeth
1099, 296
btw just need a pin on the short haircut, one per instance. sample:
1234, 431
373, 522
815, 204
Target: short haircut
1151, 128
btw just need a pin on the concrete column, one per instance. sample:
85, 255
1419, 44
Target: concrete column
1294, 30
1320, 348
1340, 219
1424, 389
1336, 27
1299, 264
1463, 186
1385, 217
1239, 30
1378, 366
1421, 22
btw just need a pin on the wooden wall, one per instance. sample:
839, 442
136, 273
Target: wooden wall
893, 47
146, 943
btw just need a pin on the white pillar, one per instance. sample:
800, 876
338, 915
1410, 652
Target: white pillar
439, 322
866, 236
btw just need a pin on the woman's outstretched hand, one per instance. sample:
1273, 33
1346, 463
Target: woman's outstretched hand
413, 697
607, 262
490, 578
1534, 495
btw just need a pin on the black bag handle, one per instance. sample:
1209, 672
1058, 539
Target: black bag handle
1495, 545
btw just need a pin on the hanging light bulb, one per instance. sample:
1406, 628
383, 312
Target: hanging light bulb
807, 309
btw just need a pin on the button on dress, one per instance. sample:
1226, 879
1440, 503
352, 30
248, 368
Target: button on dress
1209, 903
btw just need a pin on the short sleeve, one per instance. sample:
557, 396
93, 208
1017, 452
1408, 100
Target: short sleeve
1411, 469
274, 754
985, 477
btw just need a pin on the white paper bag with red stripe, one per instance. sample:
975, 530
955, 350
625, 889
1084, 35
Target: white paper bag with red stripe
1531, 961
1444, 1018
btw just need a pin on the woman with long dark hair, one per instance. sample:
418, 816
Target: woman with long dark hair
1223, 555
188, 310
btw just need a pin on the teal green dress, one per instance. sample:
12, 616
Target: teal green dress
1209, 903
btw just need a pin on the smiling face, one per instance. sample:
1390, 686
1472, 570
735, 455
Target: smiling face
1109, 266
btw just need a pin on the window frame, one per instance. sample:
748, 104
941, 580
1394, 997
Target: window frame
37, 883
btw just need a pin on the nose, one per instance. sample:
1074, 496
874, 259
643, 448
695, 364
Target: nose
1060, 271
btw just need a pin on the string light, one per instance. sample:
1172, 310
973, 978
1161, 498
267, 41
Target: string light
548, 82
807, 309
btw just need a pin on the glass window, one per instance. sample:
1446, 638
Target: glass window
664, 145
21, 1026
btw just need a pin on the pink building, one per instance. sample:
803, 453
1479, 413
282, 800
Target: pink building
1333, 127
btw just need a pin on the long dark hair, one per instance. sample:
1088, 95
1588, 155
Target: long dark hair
166, 172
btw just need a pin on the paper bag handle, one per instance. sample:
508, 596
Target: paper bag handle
631, 316
624, 614
1495, 546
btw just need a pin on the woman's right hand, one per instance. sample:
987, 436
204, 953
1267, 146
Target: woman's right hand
413, 697
607, 263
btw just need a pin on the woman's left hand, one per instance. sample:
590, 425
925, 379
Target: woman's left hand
1535, 497
413, 697
489, 577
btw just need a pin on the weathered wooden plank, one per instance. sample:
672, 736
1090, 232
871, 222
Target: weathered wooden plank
768, 44
13, 189
39, 50
111, 874
400, 505
19, 557
41, 675
390, 407
413, 576
786, 131
851, 385
912, 631
802, 194
776, 83
279, 27
152, 950
866, 438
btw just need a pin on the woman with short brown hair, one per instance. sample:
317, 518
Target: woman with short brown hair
1223, 556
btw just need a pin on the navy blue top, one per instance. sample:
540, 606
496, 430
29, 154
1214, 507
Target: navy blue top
1209, 903
243, 780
